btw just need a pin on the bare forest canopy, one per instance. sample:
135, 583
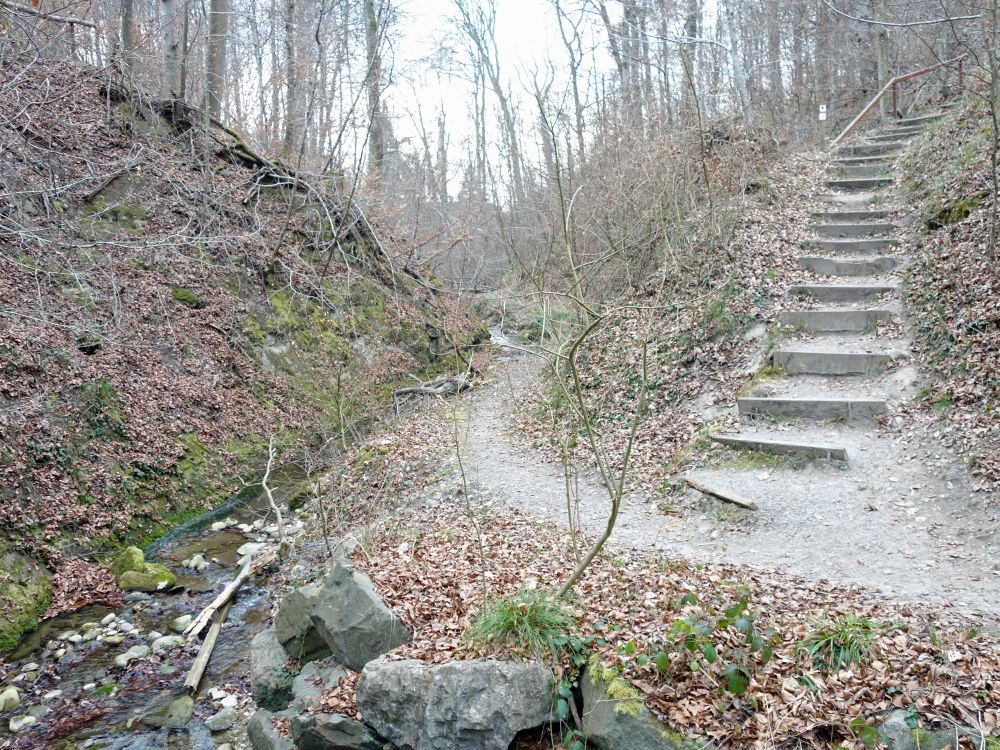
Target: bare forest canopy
470, 141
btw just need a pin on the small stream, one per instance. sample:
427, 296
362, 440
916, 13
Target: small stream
102, 706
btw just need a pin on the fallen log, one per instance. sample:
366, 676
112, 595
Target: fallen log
448, 385
205, 652
728, 497
249, 568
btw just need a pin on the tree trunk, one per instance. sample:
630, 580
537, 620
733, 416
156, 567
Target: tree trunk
291, 82
128, 36
376, 129
739, 75
170, 79
215, 65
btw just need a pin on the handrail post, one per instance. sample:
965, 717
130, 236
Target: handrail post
895, 108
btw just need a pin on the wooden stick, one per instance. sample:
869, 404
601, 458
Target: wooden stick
721, 495
205, 652
249, 568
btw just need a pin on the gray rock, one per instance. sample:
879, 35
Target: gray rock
897, 734
263, 735
167, 642
294, 626
314, 680
623, 723
222, 721
333, 732
455, 706
136, 652
175, 715
352, 619
270, 677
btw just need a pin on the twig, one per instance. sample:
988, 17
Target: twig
17, 7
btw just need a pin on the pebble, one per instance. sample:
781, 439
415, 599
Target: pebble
249, 549
66, 635
18, 723
59, 653
109, 618
136, 652
229, 701
32, 667
113, 640
196, 560
88, 626
154, 634
217, 694
51, 695
218, 526
89, 686
10, 699
224, 746
91, 635
203, 566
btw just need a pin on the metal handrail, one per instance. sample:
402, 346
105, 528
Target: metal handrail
891, 85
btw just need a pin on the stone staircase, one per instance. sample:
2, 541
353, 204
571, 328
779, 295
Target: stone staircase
833, 364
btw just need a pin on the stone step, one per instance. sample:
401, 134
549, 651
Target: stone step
781, 447
833, 321
858, 183
871, 149
844, 409
842, 292
919, 120
860, 171
895, 136
857, 246
798, 362
839, 231
849, 266
850, 161
848, 217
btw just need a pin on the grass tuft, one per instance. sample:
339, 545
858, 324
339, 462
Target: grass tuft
843, 642
530, 621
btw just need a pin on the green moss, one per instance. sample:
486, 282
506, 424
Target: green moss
628, 700
25, 593
129, 559
186, 297
953, 213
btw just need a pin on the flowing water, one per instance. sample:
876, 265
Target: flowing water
106, 707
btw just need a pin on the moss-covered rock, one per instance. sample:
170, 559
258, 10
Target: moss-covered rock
133, 573
129, 559
25, 593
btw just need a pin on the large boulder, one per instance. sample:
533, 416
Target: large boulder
263, 735
333, 732
462, 705
616, 718
270, 676
294, 627
897, 734
352, 619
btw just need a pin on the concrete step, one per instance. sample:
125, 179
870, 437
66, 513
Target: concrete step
840, 231
871, 149
842, 292
834, 321
848, 217
803, 362
857, 246
858, 183
781, 447
873, 266
844, 409
861, 171
919, 120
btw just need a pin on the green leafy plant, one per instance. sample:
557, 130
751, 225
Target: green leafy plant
843, 642
533, 621
699, 641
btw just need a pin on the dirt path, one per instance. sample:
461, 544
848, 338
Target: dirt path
861, 525
899, 514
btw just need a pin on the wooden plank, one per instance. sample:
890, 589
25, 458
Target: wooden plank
205, 652
728, 497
